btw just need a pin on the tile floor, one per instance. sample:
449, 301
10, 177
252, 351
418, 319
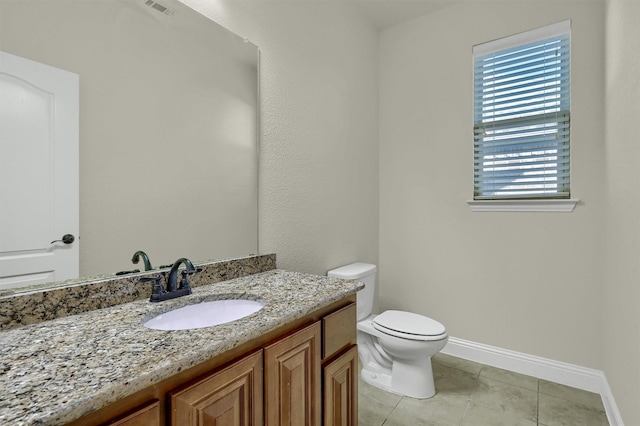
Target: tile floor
470, 394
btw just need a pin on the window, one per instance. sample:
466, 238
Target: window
521, 116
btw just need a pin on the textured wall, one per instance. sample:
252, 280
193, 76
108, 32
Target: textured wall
319, 134
319, 188
622, 294
529, 282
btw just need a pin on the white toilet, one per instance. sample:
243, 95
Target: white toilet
395, 347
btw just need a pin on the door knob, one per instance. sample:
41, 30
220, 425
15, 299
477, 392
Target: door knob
66, 238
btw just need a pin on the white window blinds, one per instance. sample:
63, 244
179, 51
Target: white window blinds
521, 116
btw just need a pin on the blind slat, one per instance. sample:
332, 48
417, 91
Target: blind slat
534, 143
549, 59
515, 179
518, 136
551, 91
546, 64
488, 164
523, 48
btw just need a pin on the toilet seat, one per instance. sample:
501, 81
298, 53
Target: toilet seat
408, 325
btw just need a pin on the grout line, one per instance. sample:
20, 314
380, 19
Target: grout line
484, 366
466, 410
392, 410
538, 403
399, 401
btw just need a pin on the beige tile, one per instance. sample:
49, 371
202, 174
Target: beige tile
504, 397
374, 404
459, 363
572, 394
471, 394
479, 415
377, 395
370, 415
452, 381
510, 377
439, 410
561, 412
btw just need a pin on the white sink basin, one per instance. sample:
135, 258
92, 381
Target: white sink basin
204, 314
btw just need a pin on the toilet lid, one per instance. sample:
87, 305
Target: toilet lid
408, 325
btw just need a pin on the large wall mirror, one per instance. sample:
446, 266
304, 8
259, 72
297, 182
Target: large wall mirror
168, 126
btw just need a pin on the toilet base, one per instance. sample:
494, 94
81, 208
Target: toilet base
377, 379
413, 379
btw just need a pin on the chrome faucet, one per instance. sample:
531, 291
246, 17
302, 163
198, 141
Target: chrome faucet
173, 290
145, 259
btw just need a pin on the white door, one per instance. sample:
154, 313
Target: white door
39, 111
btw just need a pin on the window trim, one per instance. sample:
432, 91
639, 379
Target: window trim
515, 40
562, 205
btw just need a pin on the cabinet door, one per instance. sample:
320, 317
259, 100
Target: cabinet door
145, 416
232, 396
341, 390
292, 379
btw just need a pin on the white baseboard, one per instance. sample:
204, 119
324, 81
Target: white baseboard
555, 371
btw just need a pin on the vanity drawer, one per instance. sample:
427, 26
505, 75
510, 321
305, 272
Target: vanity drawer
338, 330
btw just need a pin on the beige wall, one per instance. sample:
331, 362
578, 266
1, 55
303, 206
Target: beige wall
529, 282
622, 158
319, 156
319, 191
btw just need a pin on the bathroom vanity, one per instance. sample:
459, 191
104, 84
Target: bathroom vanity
292, 362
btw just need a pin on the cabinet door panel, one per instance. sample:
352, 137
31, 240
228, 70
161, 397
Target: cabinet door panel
292, 379
341, 390
232, 396
144, 416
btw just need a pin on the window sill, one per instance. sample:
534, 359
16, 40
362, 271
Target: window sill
565, 206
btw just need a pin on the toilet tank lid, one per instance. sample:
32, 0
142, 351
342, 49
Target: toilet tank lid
353, 271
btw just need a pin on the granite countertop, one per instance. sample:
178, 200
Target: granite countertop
59, 370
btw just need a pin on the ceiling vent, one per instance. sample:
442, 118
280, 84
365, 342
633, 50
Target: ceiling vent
159, 7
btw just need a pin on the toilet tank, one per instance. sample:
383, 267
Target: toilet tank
366, 273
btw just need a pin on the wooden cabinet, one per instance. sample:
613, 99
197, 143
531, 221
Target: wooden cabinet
148, 414
340, 400
302, 374
292, 379
293, 391
230, 397
340, 367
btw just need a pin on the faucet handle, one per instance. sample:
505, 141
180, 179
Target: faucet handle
133, 271
192, 271
184, 282
157, 283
